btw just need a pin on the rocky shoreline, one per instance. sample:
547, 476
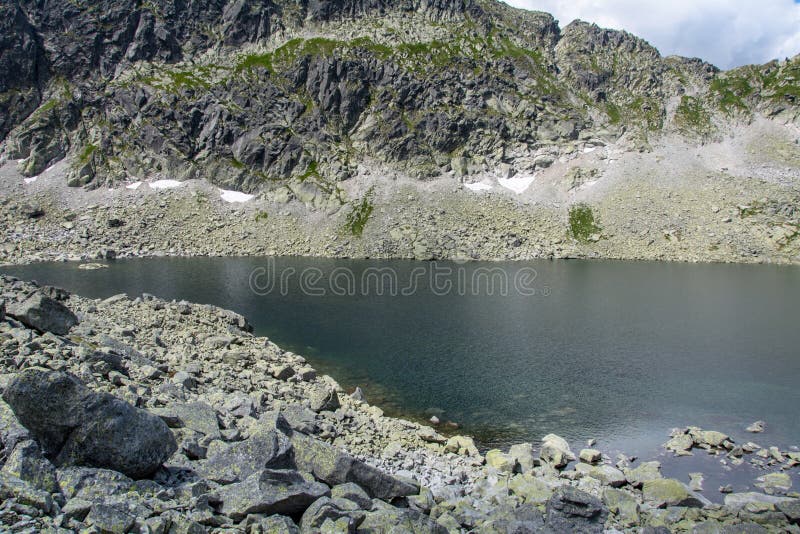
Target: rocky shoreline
142, 415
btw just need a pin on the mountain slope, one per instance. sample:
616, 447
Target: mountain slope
255, 94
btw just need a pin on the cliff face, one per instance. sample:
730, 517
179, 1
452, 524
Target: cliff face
263, 95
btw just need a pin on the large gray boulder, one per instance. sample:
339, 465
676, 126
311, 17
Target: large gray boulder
266, 449
43, 314
270, 492
76, 426
334, 467
572, 510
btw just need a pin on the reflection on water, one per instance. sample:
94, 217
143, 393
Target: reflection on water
620, 352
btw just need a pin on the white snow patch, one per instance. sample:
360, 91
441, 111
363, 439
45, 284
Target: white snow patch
235, 196
30, 180
134, 186
518, 184
589, 149
478, 187
165, 184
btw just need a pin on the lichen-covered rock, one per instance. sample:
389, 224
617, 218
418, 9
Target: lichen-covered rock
269, 492
27, 463
267, 449
324, 399
197, 416
76, 426
327, 509
24, 493
572, 510
661, 493
555, 451
642, 473
336, 467
501, 461
44, 314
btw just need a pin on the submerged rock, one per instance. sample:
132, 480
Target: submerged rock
76, 426
757, 427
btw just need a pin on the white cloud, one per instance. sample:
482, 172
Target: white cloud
727, 33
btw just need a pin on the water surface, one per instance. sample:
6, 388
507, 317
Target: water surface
616, 351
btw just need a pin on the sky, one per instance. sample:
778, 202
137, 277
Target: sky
727, 33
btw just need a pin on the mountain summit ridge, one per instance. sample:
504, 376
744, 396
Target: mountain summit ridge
261, 95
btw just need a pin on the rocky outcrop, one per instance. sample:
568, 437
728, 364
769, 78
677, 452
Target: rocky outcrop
221, 90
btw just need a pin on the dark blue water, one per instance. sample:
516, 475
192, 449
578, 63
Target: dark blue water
616, 351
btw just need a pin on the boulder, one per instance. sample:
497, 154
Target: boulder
267, 449
737, 501
24, 493
352, 492
44, 314
386, 518
572, 510
623, 505
680, 444
642, 473
791, 509
501, 461
555, 451
110, 519
665, 492
333, 467
270, 492
774, 483
274, 524
590, 456
197, 416
27, 463
531, 489
462, 445
327, 509
523, 454
606, 474
76, 426
324, 399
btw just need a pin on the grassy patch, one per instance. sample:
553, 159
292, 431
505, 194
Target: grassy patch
254, 61
731, 92
86, 154
692, 116
359, 214
262, 216
311, 172
582, 224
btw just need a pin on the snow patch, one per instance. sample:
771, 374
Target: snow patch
478, 187
235, 196
30, 180
134, 186
518, 184
165, 184
589, 149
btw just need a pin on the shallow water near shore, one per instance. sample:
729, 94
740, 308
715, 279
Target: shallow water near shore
616, 351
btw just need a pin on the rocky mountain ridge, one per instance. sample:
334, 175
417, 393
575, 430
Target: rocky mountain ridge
279, 97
